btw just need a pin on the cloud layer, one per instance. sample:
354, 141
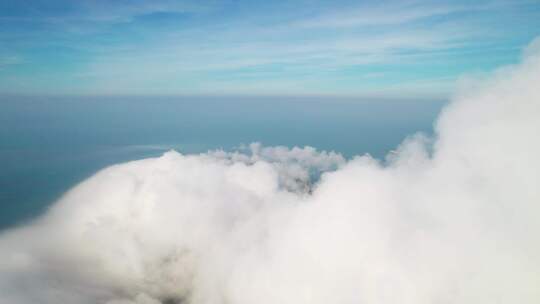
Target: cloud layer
387, 48
447, 220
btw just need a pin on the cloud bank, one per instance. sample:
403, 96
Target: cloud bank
454, 219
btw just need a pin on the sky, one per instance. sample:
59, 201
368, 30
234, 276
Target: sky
307, 47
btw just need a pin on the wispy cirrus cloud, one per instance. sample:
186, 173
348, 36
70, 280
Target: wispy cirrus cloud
186, 47
393, 13
96, 11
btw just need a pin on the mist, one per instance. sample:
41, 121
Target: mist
452, 218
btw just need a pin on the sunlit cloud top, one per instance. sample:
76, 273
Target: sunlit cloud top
358, 48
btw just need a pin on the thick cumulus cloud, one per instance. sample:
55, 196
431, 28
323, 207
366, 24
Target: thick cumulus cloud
453, 219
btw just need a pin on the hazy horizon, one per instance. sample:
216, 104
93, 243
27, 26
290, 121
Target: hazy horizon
76, 136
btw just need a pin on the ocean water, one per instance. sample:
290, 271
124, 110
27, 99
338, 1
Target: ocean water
49, 144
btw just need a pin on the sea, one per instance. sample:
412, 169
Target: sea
48, 144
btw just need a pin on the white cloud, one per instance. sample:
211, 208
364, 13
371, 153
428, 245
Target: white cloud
125, 11
316, 49
380, 15
398, 13
454, 225
237, 56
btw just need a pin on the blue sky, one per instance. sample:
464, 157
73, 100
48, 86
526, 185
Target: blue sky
350, 48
